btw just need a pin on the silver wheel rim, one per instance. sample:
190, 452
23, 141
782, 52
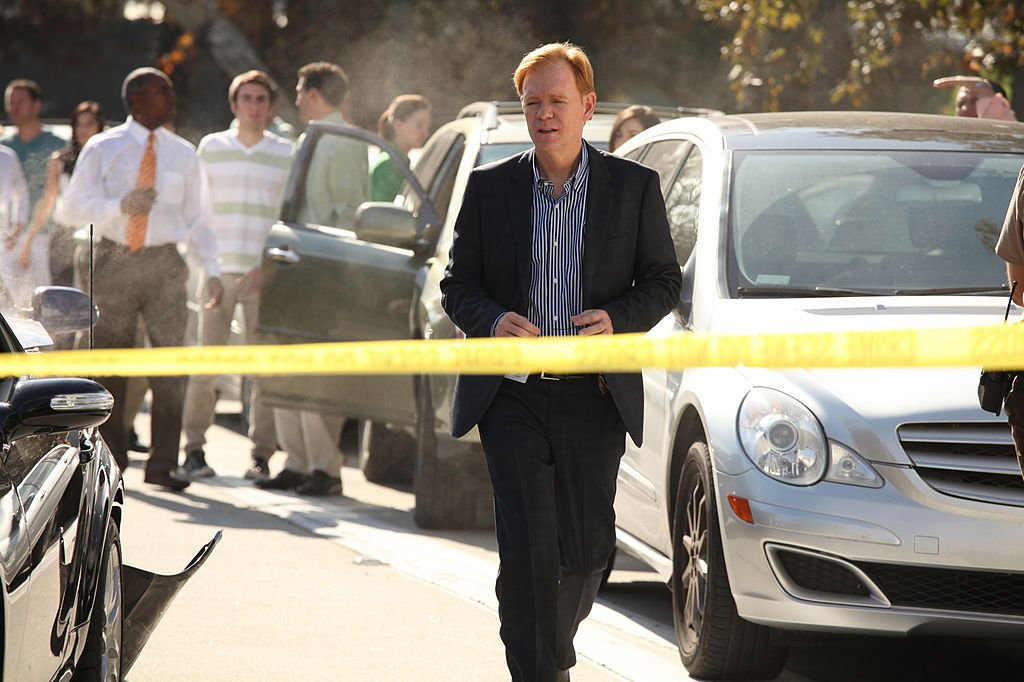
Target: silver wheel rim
110, 660
694, 576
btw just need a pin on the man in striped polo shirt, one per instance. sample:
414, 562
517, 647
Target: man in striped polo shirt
245, 168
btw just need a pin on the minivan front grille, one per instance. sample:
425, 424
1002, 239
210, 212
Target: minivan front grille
970, 460
821, 575
825, 578
948, 589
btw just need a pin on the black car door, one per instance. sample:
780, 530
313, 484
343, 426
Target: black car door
40, 499
15, 566
47, 479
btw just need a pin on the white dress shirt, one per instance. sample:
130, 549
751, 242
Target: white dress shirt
108, 169
14, 204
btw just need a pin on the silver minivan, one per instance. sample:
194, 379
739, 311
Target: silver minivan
873, 501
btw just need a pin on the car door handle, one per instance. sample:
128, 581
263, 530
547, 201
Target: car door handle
282, 255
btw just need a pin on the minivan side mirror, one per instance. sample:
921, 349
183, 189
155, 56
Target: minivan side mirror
385, 223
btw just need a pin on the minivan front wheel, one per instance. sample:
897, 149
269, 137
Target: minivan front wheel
715, 643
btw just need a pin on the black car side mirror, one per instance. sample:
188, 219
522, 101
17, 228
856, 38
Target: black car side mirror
387, 224
39, 406
63, 310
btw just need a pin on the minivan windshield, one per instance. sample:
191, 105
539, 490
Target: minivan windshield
806, 222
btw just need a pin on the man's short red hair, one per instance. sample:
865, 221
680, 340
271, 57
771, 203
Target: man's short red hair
552, 53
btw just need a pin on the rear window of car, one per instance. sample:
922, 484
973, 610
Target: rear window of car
497, 152
875, 221
503, 150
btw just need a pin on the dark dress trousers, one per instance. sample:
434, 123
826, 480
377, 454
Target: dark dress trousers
553, 447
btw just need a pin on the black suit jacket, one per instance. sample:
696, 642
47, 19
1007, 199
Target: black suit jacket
629, 265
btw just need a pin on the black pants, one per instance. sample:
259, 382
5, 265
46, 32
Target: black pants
62, 256
147, 285
553, 450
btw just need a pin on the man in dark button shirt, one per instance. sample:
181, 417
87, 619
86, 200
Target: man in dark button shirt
562, 240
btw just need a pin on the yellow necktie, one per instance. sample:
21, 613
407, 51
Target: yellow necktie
135, 237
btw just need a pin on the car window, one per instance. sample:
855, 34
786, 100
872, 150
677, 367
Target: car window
440, 191
432, 169
635, 154
683, 204
664, 156
496, 152
432, 157
872, 220
336, 180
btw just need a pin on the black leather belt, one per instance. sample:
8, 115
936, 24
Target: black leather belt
551, 376
110, 244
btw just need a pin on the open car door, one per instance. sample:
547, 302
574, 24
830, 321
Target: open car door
337, 267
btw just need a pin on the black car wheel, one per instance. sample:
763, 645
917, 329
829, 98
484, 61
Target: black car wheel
101, 660
452, 489
385, 456
714, 641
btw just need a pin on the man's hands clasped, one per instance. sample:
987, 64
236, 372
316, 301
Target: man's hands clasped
138, 201
589, 322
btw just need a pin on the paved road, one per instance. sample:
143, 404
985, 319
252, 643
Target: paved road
350, 589
312, 590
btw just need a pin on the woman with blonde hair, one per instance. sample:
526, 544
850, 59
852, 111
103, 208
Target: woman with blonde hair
406, 124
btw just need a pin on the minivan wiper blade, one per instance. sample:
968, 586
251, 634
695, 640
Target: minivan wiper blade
805, 292
809, 292
951, 291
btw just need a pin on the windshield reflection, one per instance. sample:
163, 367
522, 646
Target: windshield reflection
882, 222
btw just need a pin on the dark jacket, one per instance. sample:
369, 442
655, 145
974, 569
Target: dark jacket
629, 265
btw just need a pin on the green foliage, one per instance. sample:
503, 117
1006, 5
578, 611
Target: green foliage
788, 54
730, 54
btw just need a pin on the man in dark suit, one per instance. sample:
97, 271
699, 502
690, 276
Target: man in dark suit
562, 240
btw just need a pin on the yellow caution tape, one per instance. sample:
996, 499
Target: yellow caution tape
994, 347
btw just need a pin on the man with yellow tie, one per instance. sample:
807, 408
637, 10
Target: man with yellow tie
142, 188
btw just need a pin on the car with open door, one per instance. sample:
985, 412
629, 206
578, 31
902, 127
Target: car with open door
70, 608
375, 276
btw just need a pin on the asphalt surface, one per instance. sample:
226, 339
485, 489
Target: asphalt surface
298, 589
349, 589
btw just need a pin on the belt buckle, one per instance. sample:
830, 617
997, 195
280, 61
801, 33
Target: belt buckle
549, 377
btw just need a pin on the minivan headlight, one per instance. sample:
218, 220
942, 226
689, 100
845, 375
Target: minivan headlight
849, 468
782, 437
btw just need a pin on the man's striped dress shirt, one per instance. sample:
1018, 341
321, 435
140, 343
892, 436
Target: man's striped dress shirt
556, 288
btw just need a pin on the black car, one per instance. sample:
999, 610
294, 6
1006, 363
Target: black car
70, 609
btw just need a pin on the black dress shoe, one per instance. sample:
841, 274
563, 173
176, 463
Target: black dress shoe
134, 444
167, 480
286, 480
319, 484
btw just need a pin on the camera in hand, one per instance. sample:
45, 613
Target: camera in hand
993, 388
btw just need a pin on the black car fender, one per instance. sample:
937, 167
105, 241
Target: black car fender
102, 499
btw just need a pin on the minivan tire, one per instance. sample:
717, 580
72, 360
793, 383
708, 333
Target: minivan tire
715, 643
